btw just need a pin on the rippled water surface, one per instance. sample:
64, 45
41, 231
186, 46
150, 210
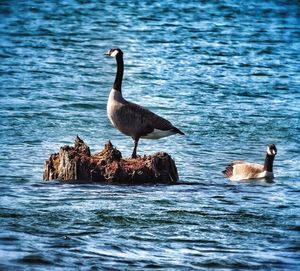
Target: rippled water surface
227, 73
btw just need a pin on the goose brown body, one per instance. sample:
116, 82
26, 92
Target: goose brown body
241, 170
132, 119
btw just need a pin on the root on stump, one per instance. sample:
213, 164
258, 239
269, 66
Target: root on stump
78, 164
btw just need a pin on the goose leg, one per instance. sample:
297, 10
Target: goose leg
136, 141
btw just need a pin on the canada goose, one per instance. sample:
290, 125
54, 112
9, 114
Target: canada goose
132, 119
241, 170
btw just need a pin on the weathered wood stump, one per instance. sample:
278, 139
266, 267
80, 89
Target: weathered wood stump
77, 164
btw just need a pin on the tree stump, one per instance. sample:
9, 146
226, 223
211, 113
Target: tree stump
78, 164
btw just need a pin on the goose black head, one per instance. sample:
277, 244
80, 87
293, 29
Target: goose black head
271, 150
114, 52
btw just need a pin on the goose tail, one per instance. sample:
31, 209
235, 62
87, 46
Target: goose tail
177, 131
228, 171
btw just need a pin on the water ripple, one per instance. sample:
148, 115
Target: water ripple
226, 73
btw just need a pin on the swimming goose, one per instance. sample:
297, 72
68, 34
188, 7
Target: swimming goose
132, 119
241, 170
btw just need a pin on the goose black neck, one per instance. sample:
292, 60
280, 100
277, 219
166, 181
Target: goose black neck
120, 70
268, 166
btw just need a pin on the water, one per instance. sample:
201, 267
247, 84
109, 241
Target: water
227, 73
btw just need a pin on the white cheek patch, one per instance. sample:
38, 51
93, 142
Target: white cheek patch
114, 53
271, 152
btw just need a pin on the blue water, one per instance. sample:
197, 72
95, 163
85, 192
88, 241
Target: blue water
227, 73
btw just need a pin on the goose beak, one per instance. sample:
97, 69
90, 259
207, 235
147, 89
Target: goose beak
107, 53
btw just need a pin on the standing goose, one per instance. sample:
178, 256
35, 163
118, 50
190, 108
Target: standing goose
241, 170
132, 119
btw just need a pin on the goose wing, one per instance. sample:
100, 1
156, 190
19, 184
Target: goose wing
241, 170
140, 120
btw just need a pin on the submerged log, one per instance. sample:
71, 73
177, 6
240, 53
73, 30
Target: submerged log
78, 164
